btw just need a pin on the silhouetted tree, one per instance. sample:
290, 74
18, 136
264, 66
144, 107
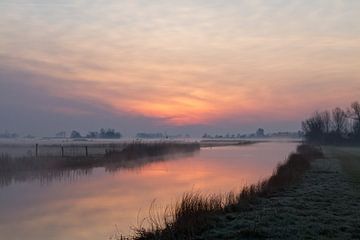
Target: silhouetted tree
92, 135
338, 127
339, 119
109, 133
354, 115
314, 127
75, 134
260, 132
326, 118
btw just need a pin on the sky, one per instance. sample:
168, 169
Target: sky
176, 66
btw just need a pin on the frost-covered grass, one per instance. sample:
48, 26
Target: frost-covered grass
350, 160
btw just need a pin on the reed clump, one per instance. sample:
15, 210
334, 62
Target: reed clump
138, 150
195, 213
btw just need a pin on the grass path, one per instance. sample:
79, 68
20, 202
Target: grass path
325, 205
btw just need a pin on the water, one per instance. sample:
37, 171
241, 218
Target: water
93, 204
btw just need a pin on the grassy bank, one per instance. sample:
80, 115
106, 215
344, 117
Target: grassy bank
196, 213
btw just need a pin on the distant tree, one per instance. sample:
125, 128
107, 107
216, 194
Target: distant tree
75, 134
354, 111
339, 120
92, 135
326, 118
61, 134
109, 133
260, 132
338, 127
8, 135
206, 135
314, 127
354, 115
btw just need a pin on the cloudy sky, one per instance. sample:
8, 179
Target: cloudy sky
176, 66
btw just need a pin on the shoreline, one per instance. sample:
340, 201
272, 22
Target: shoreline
323, 201
197, 216
225, 143
324, 204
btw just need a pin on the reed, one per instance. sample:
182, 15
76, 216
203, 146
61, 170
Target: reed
131, 156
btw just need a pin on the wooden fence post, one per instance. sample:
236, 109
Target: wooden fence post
62, 151
86, 151
36, 150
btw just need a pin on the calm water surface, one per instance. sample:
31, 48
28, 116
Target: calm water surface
94, 205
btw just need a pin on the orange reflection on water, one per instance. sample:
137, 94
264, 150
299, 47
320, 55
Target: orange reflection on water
90, 207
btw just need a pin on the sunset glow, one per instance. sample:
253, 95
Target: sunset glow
188, 63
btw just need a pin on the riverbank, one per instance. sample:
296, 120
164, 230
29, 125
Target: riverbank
208, 217
324, 205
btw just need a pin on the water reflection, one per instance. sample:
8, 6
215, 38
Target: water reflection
43, 177
90, 207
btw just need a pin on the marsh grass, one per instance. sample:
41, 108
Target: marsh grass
131, 156
132, 151
141, 150
195, 213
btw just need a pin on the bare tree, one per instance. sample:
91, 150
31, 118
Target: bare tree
326, 119
339, 119
314, 127
354, 111
354, 115
334, 127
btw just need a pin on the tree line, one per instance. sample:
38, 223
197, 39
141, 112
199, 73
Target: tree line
336, 126
104, 133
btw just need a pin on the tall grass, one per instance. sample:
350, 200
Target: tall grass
194, 213
132, 155
130, 152
151, 149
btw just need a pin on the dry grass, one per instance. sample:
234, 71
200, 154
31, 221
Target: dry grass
133, 155
194, 213
131, 152
141, 150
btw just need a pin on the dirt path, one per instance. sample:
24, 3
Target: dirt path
325, 205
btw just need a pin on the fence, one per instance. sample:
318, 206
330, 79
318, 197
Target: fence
63, 150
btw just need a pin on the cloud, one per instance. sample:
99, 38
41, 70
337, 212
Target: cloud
182, 63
